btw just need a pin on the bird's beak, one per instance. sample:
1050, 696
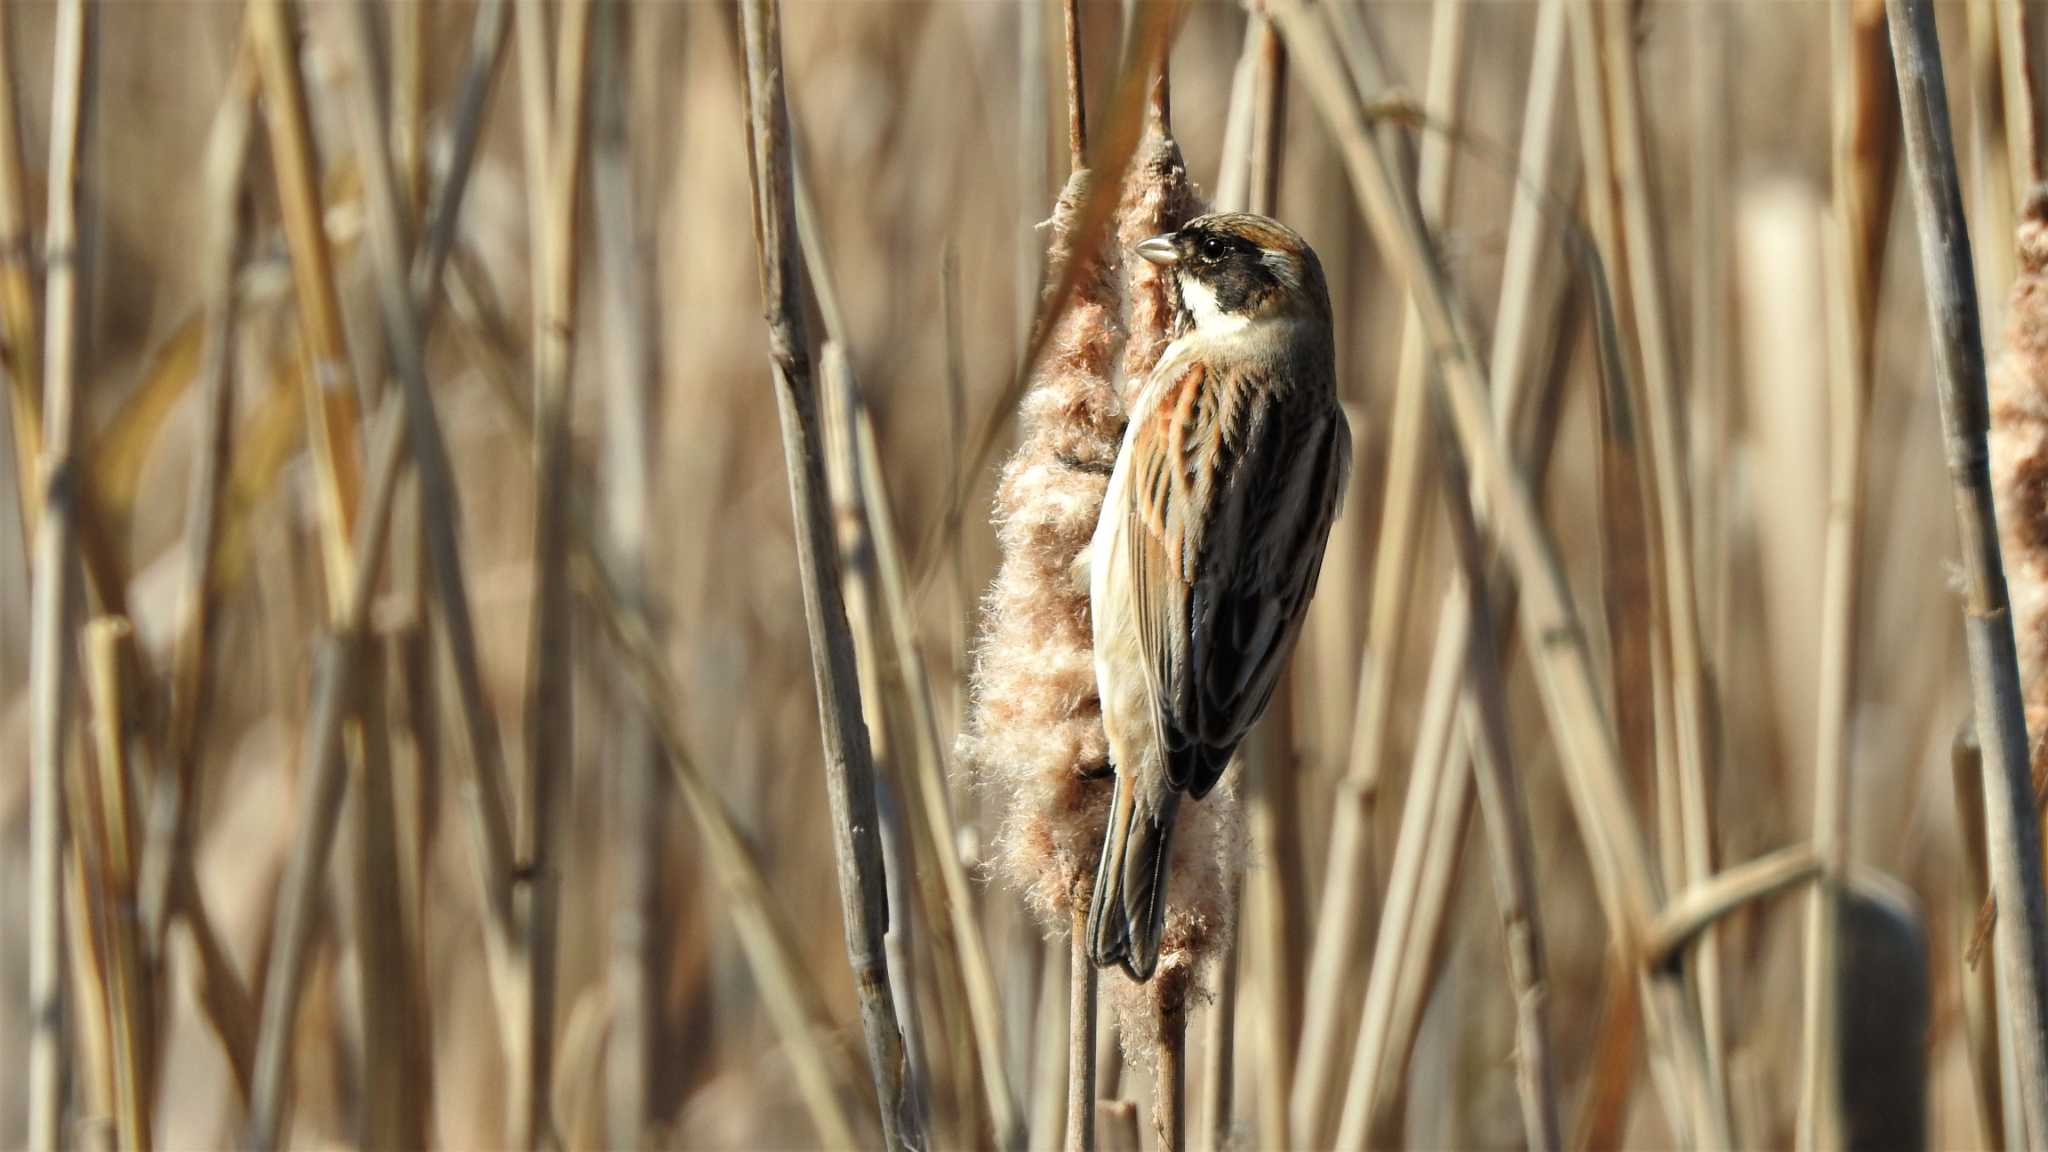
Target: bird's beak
1160, 250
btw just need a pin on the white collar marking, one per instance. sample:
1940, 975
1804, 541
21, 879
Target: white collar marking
1210, 320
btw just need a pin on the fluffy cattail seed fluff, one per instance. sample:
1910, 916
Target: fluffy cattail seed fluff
1034, 739
2019, 465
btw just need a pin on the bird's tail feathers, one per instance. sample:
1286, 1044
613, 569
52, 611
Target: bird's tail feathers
1128, 913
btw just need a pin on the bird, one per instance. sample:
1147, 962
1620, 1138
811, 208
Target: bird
1211, 536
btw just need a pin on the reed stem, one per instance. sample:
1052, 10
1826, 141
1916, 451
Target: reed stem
1080, 1038
849, 768
52, 644
2012, 824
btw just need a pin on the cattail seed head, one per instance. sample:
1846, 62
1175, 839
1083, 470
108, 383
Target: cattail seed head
2019, 465
1034, 740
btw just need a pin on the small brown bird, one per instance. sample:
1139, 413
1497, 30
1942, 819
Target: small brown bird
1211, 537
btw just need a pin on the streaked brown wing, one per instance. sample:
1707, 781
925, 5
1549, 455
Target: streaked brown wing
1231, 498
1256, 579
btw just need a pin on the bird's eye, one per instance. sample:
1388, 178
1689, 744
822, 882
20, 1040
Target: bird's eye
1212, 248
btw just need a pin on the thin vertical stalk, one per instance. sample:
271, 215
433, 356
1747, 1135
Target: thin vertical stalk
1628, 881
1219, 1045
407, 305
1080, 1040
849, 767
1504, 812
51, 647
328, 375
22, 359
1342, 915
1049, 1068
337, 679
1850, 305
1170, 1077
1660, 391
1406, 908
2011, 822
1269, 118
169, 833
550, 743
958, 939
1077, 88
933, 810
2017, 75
1987, 1034
793, 1000
633, 973
104, 812
488, 803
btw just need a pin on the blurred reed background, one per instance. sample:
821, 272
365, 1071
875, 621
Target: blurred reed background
564, 741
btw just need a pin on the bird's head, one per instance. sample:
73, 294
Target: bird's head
1234, 268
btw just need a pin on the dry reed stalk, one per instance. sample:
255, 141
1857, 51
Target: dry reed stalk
1728, 891
968, 948
1513, 342
165, 856
1118, 1120
1628, 882
412, 704
1504, 812
51, 630
337, 681
1343, 917
22, 359
1049, 1068
406, 307
91, 1098
397, 1074
1995, 1114
632, 977
1081, 1070
958, 942
297, 168
794, 1003
883, 696
859, 584
849, 770
1995, 192
1712, 441
397, 1086
105, 835
2017, 82
487, 800
1170, 1074
1405, 908
1219, 1045
2012, 823
1033, 185
550, 712
1682, 661
1077, 87
1852, 299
